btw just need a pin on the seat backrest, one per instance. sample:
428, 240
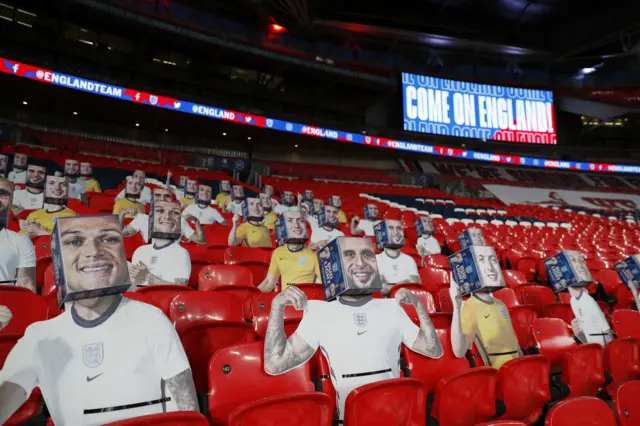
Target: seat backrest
535, 295
294, 409
438, 261
513, 278
583, 369
193, 308
562, 311
622, 360
161, 295
609, 279
247, 256
522, 317
214, 276
444, 300
583, 411
425, 297
261, 308
523, 386
26, 308
553, 338
407, 396
237, 376
507, 296
625, 403
433, 278
626, 323
176, 418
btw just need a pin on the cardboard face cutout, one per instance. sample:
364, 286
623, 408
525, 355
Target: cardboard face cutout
205, 194
288, 199
19, 162
86, 170
629, 271
140, 174
89, 258
268, 189
567, 269
371, 212
318, 205
265, 199
389, 234
476, 268
162, 194
6, 195
308, 195
238, 192
165, 220
36, 177
348, 267
4, 164
71, 168
291, 228
133, 188
182, 183
471, 237
424, 226
56, 190
306, 207
225, 187
329, 217
336, 201
252, 210
192, 187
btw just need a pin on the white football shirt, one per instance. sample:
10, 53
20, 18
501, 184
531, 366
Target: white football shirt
18, 177
77, 189
206, 216
393, 271
592, 320
358, 339
16, 251
170, 263
145, 195
321, 234
367, 226
281, 208
80, 365
25, 200
140, 223
428, 245
235, 208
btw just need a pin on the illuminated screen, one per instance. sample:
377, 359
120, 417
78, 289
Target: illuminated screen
480, 111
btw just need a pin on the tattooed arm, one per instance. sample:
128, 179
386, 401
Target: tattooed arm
427, 343
282, 354
26, 277
183, 390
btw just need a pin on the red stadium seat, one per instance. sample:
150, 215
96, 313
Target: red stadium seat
610, 280
161, 295
535, 295
562, 311
523, 386
624, 298
476, 387
438, 261
213, 277
177, 418
207, 322
132, 243
513, 278
247, 256
502, 423
528, 267
432, 279
444, 301
425, 297
625, 403
26, 308
583, 411
404, 404
292, 409
522, 318
553, 339
622, 361
261, 308
583, 369
507, 296
237, 376
626, 323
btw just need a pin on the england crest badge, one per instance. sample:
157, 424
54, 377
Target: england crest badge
92, 354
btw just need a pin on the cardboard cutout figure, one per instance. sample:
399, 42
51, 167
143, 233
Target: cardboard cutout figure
318, 205
205, 194
629, 272
56, 190
141, 174
424, 226
6, 195
225, 186
4, 165
238, 192
165, 220
191, 188
389, 234
265, 200
268, 189
328, 216
252, 210
182, 183
288, 199
471, 237
71, 168
291, 228
36, 176
371, 212
133, 188
308, 195
19, 162
476, 268
348, 267
86, 170
567, 269
87, 267
336, 201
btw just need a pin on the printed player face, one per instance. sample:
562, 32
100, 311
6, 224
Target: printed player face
296, 225
318, 205
225, 186
93, 253
331, 214
56, 187
71, 167
373, 211
183, 181
265, 199
238, 191
6, 191
20, 160
167, 217
36, 175
287, 198
490, 268
268, 189
86, 169
192, 186
308, 194
134, 186
427, 225
254, 206
478, 240
360, 263
204, 193
580, 264
3, 162
161, 194
396, 234
141, 174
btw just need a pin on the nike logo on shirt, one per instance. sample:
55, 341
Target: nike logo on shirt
90, 379
362, 332
487, 316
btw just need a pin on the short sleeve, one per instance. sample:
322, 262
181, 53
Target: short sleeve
407, 328
468, 322
241, 232
187, 230
27, 253
116, 207
183, 269
311, 324
20, 367
166, 348
316, 266
135, 223
274, 265
217, 216
120, 195
412, 268
137, 255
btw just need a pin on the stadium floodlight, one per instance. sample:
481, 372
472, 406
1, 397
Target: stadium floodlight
25, 103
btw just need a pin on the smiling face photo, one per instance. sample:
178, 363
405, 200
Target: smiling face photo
165, 220
372, 212
162, 194
396, 233
489, 266
204, 194
359, 263
71, 168
134, 187
86, 169
288, 198
192, 187
225, 186
336, 201
19, 162
268, 189
238, 192
331, 216
308, 195
427, 226
6, 194
36, 176
265, 199
140, 174
255, 211
56, 190
4, 161
579, 264
317, 205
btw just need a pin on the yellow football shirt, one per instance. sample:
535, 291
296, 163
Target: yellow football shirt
299, 267
185, 201
270, 220
124, 204
342, 218
221, 199
92, 185
45, 219
253, 236
489, 325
